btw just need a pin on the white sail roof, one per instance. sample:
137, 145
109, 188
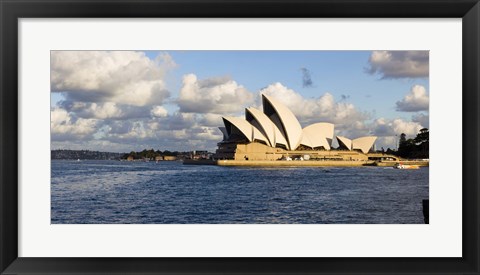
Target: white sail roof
257, 135
324, 129
247, 129
284, 119
262, 122
318, 134
306, 141
266, 126
277, 126
279, 138
363, 143
345, 142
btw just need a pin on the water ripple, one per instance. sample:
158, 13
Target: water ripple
96, 192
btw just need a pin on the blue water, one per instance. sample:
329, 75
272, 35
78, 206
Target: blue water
114, 192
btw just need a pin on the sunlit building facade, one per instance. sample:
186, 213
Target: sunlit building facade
276, 133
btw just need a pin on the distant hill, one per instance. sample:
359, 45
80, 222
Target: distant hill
84, 154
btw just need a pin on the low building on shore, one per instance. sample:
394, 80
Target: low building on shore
165, 158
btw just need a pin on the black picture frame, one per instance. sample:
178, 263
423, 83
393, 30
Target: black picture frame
11, 11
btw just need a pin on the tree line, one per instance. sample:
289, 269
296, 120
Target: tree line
150, 154
414, 148
83, 154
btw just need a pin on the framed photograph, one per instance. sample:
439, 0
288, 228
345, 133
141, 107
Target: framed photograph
239, 137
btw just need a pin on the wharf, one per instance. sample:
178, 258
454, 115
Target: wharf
304, 163
283, 163
387, 163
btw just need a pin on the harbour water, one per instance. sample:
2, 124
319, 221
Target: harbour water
115, 192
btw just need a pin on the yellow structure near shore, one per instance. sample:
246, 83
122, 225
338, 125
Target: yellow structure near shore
268, 163
304, 163
276, 134
259, 152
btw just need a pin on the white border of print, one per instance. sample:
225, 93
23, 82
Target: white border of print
38, 238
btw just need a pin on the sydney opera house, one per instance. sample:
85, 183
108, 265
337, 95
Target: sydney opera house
276, 134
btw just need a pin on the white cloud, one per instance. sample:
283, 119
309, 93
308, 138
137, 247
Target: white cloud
215, 95
409, 128
104, 110
124, 77
388, 131
164, 60
59, 116
114, 102
212, 120
109, 96
131, 132
159, 111
387, 142
206, 134
399, 64
179, 121
423, 119
61, 124
416, 100
385, 127
178, 130
311, 110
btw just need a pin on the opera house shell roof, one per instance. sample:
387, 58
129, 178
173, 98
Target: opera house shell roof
277, 126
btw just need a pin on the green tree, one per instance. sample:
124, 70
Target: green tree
414, 148
403, 139
422, 141
133, 154
422, 136
402, 142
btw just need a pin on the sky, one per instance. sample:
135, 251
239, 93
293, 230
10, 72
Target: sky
122, 101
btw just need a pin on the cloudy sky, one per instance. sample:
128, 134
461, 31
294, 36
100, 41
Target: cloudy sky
121, 101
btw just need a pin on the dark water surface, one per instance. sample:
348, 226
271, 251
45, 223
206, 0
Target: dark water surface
169, 192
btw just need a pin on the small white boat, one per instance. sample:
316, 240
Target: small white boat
405, 166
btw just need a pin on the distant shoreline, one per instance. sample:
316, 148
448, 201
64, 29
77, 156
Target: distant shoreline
144, 155
64, 154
